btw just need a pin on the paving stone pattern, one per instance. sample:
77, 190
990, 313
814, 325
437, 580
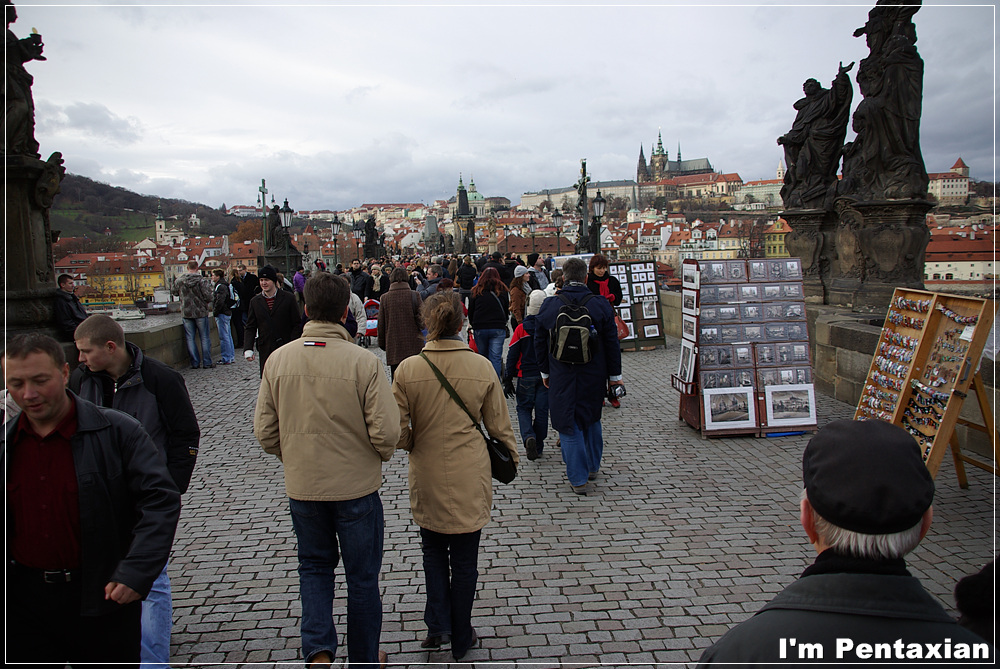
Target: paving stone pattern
680, 538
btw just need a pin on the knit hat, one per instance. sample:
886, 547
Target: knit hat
268, 272
532, 259
520, 270
535, 300
867, 476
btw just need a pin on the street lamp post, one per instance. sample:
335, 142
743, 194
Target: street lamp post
532, 226
595, 230
305, 253
557, 218
335, 231
262, 201
286, 222
357, 231
506, 238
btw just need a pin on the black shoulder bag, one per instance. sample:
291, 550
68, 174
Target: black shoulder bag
502, 465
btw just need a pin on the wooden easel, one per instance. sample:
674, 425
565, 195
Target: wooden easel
988, 427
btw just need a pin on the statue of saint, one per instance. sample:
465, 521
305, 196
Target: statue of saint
813, 145
19, 109
275, 231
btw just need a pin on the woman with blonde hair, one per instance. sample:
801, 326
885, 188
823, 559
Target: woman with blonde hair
451, 491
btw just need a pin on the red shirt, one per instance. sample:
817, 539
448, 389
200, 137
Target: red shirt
42, 494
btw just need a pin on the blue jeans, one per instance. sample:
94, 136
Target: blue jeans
157, 620
359, 525
450, 590
582, 450
489, 341
201, 324
222, 322
533, 395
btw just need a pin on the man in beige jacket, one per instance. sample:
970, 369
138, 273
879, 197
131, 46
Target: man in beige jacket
326, 410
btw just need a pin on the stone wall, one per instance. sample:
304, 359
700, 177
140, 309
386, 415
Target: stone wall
166, 344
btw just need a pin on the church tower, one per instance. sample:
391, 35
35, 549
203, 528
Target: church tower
781, 170
658, 161
641, 171
161, 225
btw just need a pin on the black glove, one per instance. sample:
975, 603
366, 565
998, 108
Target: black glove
508, 388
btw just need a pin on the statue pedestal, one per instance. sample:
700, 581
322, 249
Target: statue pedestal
277, 258
810, 241
893, 238
27, 273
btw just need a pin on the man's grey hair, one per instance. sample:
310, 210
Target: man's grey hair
575, 269
856, 544
436, 269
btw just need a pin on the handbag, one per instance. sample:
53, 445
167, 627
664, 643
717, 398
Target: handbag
501, 463
622, 328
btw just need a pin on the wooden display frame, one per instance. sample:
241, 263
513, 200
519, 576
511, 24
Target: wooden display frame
636, 277
728, 312
922, 370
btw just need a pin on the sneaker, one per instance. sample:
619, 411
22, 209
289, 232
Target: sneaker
529, 446
579, 489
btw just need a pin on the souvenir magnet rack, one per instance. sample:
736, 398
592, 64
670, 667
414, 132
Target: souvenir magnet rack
923, 368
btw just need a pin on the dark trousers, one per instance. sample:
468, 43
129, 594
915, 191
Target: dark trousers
236, 324
451, 575
44, 624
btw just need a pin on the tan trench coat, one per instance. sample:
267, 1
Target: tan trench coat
451, 489
327, 412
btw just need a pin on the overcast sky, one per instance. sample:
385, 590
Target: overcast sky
338, 105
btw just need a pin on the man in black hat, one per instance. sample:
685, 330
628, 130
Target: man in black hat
866, 504
273, 318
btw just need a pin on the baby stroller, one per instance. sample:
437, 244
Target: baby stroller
371, 325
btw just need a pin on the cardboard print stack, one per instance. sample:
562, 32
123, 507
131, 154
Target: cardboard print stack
745, 359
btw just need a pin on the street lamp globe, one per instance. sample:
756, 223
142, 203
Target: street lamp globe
286, 215
335, 226
599, 205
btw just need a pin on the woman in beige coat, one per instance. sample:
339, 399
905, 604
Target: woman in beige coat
451, 488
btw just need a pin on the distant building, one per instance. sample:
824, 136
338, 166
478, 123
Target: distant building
774, 239
661, 167
951, 187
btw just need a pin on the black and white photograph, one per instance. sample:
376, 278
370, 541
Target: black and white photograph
796, 331
688, 326
790, 405
744, 378
689, 301
626, 314
689, 276
728, 314
736, 270
713, 357
709, 335
774, 311
766, 354
793, 269
725, 293
772, 291
752, 333
729, 334
750, 313
741, 353
707, 295
750, 292
791, 291
767, 377
709, 314
685, 368
795, 311
729, 408
758, 270
776, 332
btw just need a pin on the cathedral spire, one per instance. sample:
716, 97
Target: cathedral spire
678, 151
461, 186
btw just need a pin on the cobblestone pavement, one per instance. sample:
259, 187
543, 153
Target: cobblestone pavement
680, 538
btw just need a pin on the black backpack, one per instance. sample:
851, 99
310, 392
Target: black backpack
573, 339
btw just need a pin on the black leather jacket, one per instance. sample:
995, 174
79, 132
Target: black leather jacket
129, 505
68, 314
155, 395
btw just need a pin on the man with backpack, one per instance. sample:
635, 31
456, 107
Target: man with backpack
576, 345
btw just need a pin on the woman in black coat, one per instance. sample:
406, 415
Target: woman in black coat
601, 283
489, 310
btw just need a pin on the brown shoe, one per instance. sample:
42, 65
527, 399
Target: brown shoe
383, 659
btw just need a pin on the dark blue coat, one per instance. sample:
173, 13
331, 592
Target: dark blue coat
576, 392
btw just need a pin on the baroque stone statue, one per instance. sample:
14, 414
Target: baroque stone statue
813, 145
19, 109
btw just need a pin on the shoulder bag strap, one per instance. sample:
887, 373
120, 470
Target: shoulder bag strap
451, 391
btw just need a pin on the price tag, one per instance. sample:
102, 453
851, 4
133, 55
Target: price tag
967, 333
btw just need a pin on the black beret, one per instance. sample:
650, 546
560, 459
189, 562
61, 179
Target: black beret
867, 476
268, 272
532, 259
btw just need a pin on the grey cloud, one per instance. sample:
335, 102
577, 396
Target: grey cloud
91, 119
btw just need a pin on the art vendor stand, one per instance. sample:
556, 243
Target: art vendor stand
924, 368
745, 359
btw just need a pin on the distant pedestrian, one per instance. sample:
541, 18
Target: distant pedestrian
117, 374
298, 283
400, 325
221, 300
601, 282
465, 279
250, 283
69, 312
538, 272
325, 409
519, 290
429, 286
360, 280
195, 292
532, 395
239, 310
577, 391
489, 310
274, 319
451, 490
380, 284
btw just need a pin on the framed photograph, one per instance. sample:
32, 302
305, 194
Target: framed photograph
649, 310
709, 314
752, 333
708, 380
774, 311
631, 330
729, 334
729, 408
767, 377
793, 269
725, 294
707, 295
791, 291
750, 292
713, 272
626, 314
750, 313
776, 270
800, 352
766, 354
790, 405
689, 325
709, 334
743, 355
651, 331
689, 301
772, 291
736, 270
713, 357
650, 288
803, 375
689, 276
743, 378
795, 311
728, 313
757, 270
796, 330
685, 369
786, 377
776, 332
